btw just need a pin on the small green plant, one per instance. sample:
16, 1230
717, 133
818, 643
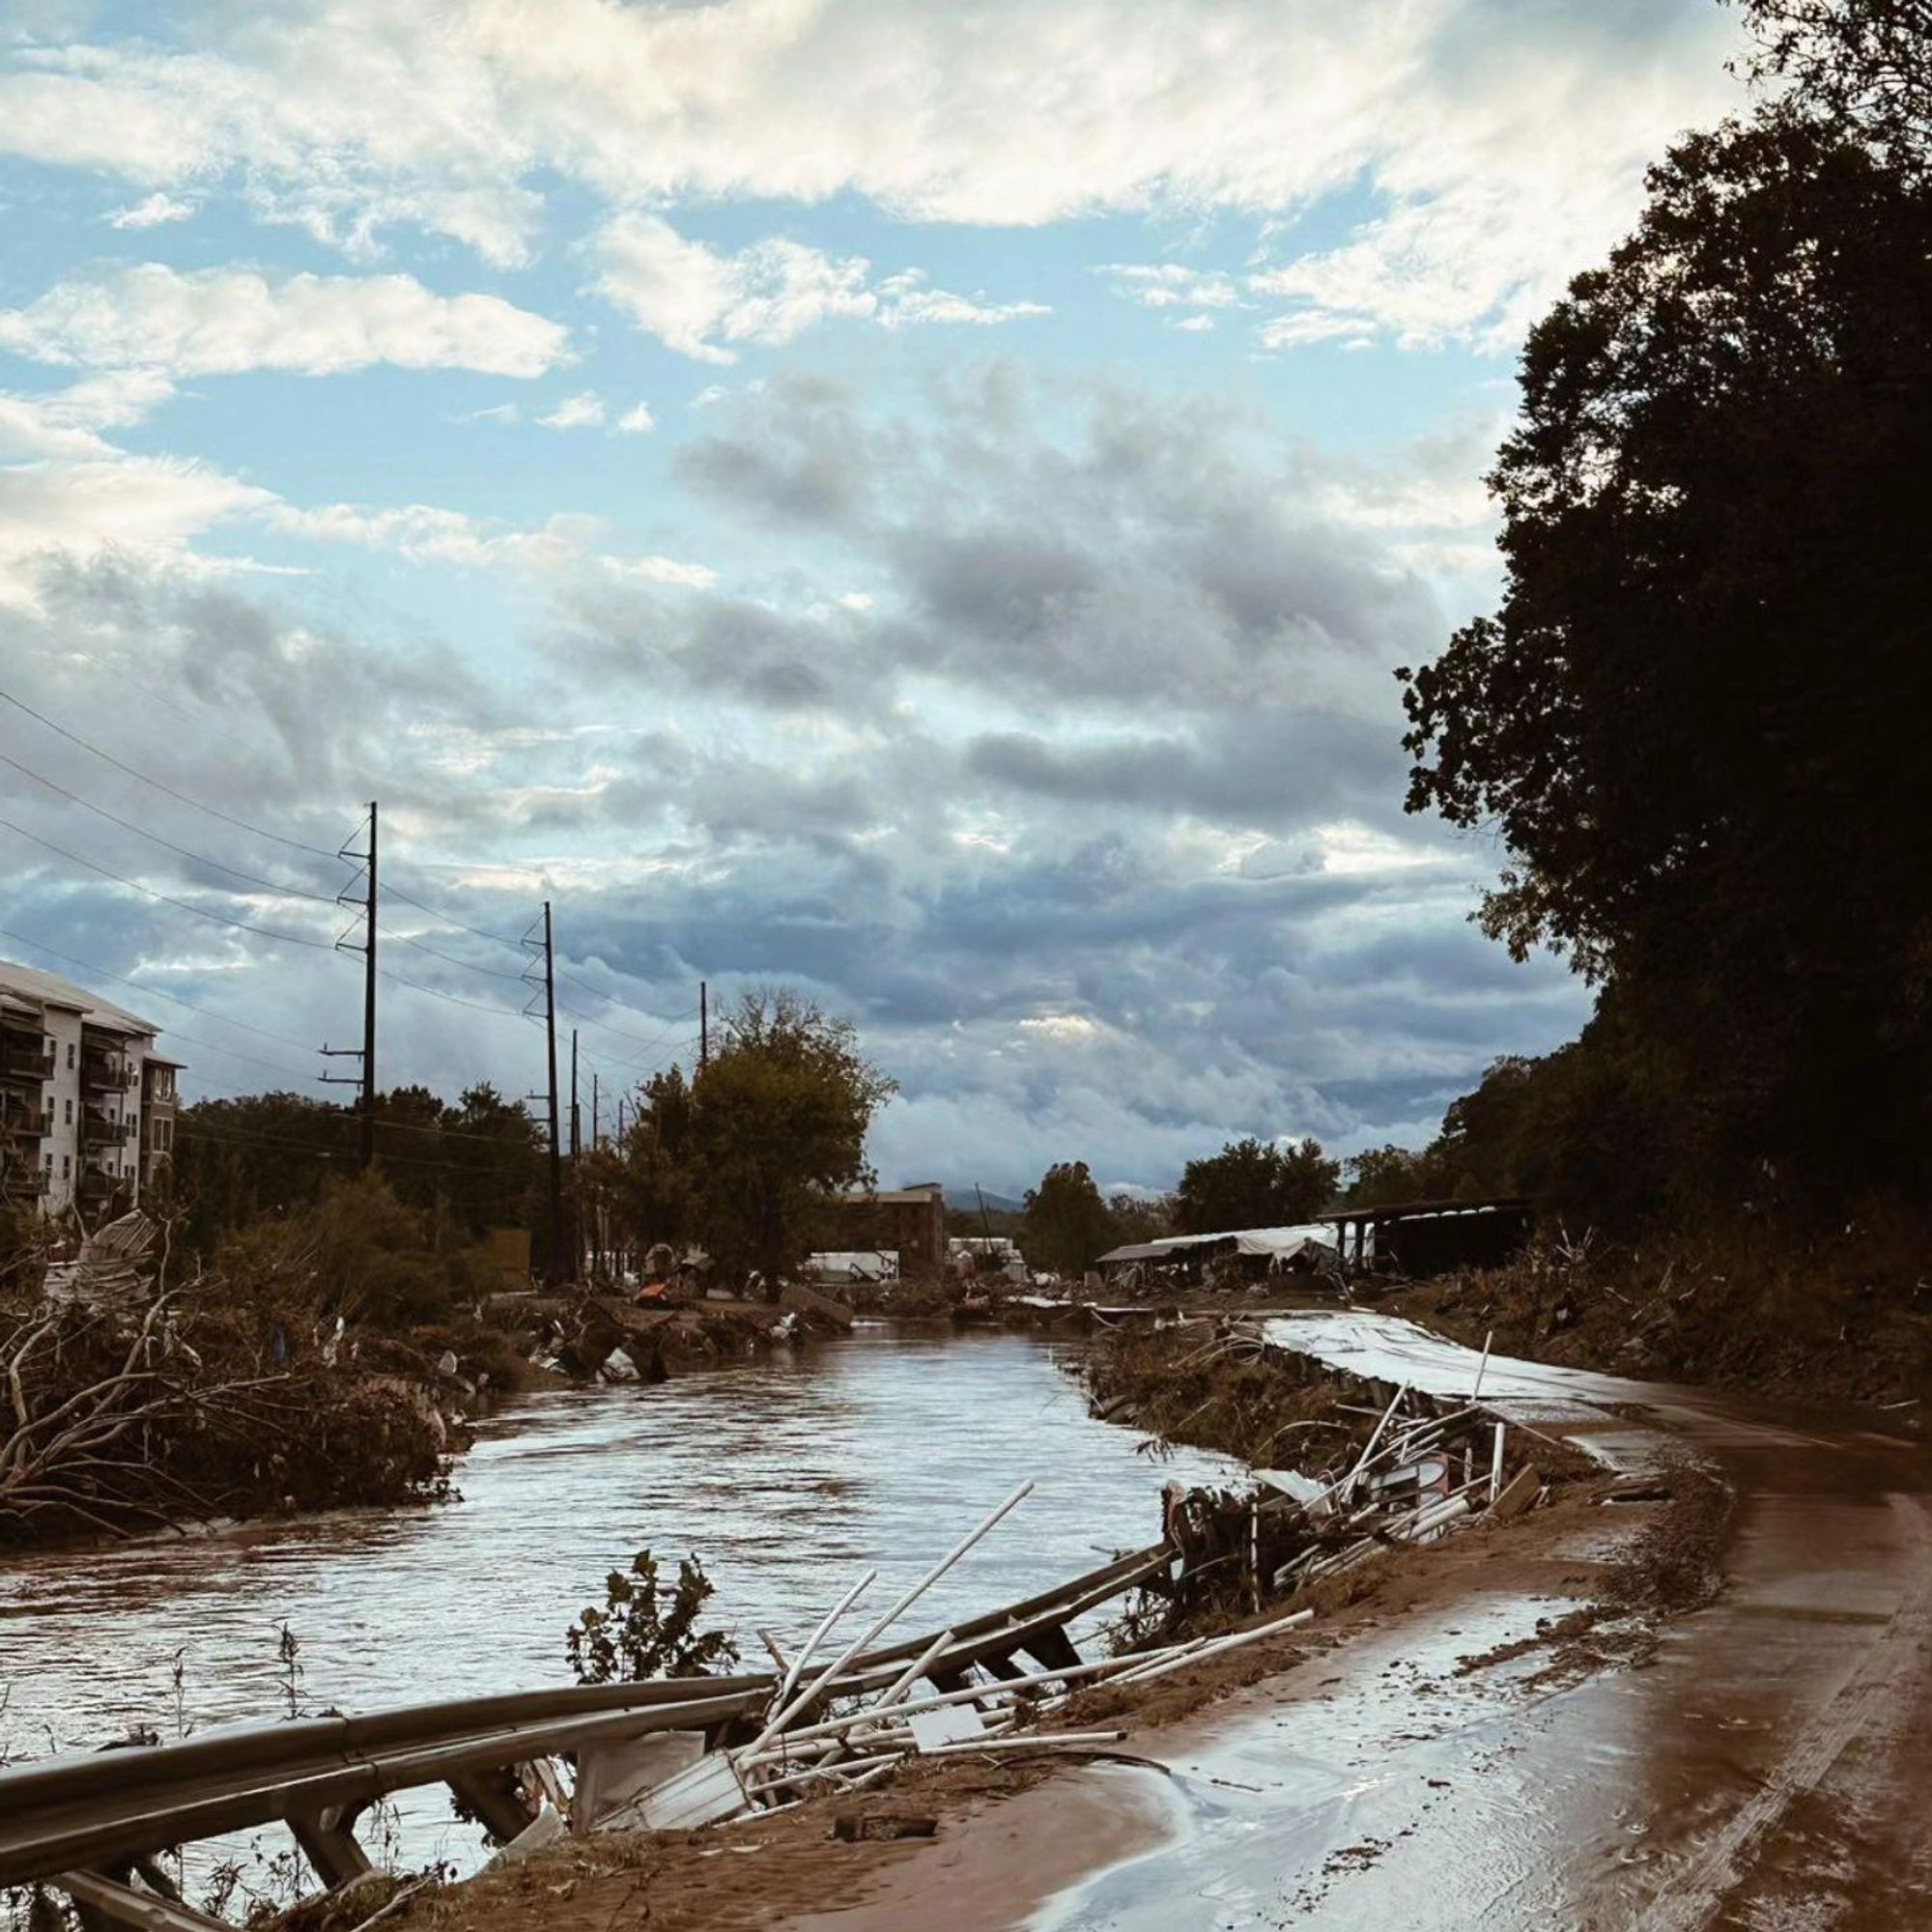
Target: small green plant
643, 1631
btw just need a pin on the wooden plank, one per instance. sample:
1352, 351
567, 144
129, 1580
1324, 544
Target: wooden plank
1519, 1492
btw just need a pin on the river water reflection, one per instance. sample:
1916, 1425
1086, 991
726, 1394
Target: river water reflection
789, 1477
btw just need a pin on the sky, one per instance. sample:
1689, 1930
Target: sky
921, 504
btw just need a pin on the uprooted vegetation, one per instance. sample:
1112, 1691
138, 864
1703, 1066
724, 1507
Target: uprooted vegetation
1751, 1306
134, 1399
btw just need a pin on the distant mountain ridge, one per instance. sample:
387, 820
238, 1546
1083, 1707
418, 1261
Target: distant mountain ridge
963, 1197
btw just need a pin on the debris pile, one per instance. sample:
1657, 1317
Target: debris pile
844, 1725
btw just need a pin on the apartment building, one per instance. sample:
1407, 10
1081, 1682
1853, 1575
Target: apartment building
87, 1105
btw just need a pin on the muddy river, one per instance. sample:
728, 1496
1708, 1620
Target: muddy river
789, 1477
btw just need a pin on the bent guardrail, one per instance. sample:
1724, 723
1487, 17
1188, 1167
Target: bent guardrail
87, 1821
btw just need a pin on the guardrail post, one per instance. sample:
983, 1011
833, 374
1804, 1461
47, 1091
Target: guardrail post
327, 1840
497, 1800
1052, 1649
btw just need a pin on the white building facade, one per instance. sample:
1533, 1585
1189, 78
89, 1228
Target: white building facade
87, 1103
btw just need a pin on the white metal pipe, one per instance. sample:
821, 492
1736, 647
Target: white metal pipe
1029, 1742
818, 1636
1496, 1465
1483, 1365
1231, 1643
789, 1711
913, 1671
972, 1693
1348, 1483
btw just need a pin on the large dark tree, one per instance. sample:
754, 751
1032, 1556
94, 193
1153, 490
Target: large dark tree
1067, 1227
1253, 1183
1698, 720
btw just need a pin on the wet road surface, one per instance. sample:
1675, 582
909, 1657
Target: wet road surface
1767, 1766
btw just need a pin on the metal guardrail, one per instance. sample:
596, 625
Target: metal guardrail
86, 1821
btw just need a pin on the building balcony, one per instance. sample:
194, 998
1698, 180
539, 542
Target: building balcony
99, 1074
21, 1120
20, 1182
93, 1186
25, 1059
97, 1131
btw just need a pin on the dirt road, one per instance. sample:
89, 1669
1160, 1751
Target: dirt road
1766, 1766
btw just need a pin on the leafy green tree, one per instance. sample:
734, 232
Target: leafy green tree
1066, 1227
1697, 718
1254, 1184
778, 1119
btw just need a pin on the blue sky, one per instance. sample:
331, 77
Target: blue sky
923, 504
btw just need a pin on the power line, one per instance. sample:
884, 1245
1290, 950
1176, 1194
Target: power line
422, 905
249, 1136
149, 992
141, 830
227, 818
180, 905
454, 999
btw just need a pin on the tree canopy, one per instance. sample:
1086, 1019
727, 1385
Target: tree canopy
1696, 719
1067, 1227
740, 1158
1254, 1183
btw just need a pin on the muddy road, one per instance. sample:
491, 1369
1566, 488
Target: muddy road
1762, 1762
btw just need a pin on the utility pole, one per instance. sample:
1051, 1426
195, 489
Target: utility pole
596, 1132
544, 989
550, 1045
366, 1052
703, 1026
576, 1152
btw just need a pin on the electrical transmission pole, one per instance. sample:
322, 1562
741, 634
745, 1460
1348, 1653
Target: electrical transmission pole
576, 1152
366, 1052
546, 990
549, 1040
703, 1026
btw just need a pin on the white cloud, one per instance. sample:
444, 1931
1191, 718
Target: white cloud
157, 210
224, 320
1173, 285
685, 294
905, 300
1501, 147
1196, 324
637, 420
584, 411
698, 302
150, 509
426, 533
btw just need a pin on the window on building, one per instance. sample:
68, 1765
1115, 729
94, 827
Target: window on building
50, 1163
70, 1056
69, 1109
67, 1165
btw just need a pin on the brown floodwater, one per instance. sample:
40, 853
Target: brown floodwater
789, 1476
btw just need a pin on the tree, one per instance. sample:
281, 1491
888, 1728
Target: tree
1253, 1183
1066, 1227
1696, 720
1140, 1217
646, 1182
778, 1119
1863, 66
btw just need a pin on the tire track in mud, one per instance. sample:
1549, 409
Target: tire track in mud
1874, 1692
